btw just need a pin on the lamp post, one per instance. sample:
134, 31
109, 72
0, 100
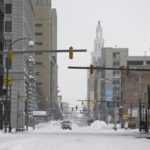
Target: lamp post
9, 60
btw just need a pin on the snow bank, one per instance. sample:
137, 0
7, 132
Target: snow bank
99, 125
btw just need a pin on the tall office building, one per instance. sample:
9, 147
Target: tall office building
111, 79
1, 60
46, 64
1, 43
54, 73
18, 24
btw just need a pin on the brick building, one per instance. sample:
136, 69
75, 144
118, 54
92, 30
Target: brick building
134, 88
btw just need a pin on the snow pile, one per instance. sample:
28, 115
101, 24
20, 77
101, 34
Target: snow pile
98, 125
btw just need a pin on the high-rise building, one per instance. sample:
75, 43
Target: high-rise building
1, 60
18, 24
54, 72
1, 43
1, 29
46, 64
111, 79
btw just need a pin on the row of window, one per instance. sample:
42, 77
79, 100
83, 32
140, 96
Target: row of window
8, 28
42, 1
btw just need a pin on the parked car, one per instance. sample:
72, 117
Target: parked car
66, 124
132, 125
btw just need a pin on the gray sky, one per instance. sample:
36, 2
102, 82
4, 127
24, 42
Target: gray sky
125, 23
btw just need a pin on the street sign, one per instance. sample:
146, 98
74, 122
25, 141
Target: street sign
7, 81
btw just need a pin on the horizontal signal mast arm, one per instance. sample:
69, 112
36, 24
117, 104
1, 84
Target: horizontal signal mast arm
42, 51
109, 68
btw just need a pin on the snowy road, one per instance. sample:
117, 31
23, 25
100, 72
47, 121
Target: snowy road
48, 138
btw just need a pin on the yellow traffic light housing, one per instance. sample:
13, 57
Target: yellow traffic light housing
10, 56
91, 69
71, 52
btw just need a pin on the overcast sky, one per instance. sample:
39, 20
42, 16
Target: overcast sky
125, 23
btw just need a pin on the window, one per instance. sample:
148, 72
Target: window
148, 62
38, 33
38, 63
38, 73
135, 62
42, 1
38, 83
38, 43
116, 82
8, 8
38, 53
8, 26
116, 55
38, 24
116, 72
116, 64
7, 44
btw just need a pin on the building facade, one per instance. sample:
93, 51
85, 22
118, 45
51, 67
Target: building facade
18, 24
1, 42
46, 64
111, 80
1, 60
134, 86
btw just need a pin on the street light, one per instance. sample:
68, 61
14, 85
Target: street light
9, 60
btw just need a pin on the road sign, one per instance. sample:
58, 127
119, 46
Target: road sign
7, 81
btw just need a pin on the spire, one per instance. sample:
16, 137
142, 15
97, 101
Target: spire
99, 42
98, 30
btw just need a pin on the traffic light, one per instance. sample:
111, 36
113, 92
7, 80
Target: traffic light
91, 69
9, 58
82, 103
10, 55
127, 70
76, 107
148, 95
70, 52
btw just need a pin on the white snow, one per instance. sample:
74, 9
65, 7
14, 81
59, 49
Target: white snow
50, 136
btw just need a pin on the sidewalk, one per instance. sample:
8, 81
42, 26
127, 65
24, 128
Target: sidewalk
144, 135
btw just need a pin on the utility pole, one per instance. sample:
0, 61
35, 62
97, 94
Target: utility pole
115, 110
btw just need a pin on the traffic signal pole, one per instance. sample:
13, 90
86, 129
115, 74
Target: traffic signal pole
127, 69
9, 56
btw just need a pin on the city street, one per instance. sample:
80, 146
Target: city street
52, 137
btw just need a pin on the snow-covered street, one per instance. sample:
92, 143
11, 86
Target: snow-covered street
52, 137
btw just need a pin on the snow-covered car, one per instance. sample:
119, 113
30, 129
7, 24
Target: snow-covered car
66, 124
